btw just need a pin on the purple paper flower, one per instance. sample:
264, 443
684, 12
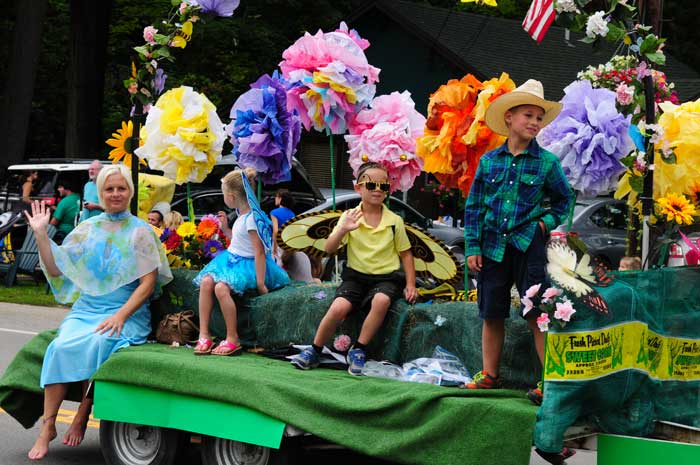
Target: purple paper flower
159, 81
590, 137
212, 248
218, 7
264, 133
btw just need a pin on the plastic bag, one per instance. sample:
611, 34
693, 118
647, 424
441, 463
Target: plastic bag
443, 368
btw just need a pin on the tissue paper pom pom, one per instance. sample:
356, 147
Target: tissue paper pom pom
183, 136
386, 133
263, 132
590, 137
456, 135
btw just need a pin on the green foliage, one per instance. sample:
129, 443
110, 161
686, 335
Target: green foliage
27, 293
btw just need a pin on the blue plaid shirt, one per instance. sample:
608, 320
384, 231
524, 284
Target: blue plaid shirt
505, 202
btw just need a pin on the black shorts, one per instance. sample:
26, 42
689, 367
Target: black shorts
496, 279
360, 288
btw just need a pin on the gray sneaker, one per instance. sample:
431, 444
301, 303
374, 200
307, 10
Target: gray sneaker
356, 360
306, 359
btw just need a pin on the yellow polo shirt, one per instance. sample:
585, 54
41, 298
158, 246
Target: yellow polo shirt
376, 250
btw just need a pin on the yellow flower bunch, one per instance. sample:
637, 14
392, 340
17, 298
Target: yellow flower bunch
676, 208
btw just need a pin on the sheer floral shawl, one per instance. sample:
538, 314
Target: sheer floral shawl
105, 253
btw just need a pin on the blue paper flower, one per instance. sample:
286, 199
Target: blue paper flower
219, 7
263, 132
590, 137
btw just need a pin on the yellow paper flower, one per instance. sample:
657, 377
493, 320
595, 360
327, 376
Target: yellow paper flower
675, 207
121, 141
183, 136
187, 228
482, 2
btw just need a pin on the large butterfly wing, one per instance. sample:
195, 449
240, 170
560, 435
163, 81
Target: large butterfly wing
308, 232
432, 258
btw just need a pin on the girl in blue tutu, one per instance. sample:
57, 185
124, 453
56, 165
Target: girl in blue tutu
246, 264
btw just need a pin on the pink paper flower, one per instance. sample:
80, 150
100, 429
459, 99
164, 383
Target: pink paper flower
551, 292
543, 322
149, 33
342, 343
564, 311
528, 305
624, 94
532, 291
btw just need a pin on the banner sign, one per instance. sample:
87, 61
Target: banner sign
585, 355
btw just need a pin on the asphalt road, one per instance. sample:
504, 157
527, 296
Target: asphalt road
19, 323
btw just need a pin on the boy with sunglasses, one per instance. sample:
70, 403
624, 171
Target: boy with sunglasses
377, 245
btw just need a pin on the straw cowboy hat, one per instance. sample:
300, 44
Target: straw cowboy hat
530, 93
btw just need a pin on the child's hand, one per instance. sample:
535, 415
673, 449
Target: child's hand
262, 290
410, 294
474, 262
351, 220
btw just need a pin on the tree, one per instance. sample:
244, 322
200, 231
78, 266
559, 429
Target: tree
21, 71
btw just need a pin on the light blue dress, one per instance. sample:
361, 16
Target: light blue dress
101, 262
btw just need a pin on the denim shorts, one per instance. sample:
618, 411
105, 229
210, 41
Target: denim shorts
360, 288
496, 279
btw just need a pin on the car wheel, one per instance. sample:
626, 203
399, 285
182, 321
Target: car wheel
130, 444
219, 451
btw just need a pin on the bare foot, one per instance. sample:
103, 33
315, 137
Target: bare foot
76, 432
41, 446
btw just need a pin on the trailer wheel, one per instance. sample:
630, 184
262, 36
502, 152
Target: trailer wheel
130, 444
218, 451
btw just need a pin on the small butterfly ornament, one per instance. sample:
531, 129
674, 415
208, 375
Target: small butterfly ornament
578, 278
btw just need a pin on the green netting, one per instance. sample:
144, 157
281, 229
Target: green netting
625, 370
292, 314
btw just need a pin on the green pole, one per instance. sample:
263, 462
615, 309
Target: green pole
190, 206
259, 190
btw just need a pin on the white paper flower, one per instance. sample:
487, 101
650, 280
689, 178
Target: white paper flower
566, 6
183, 136
597, 25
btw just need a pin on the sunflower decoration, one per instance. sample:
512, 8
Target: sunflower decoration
676, 208
121, 141
694, 191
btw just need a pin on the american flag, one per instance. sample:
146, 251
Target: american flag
538, 19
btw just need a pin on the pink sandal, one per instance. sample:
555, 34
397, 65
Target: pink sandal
229, 348
204, 346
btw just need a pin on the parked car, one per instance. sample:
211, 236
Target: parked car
601, 223
50, 170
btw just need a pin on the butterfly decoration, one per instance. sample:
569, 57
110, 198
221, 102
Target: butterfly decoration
482, 2
432, 258
448, 292
578, 277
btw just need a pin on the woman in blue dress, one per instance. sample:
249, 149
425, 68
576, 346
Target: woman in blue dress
109, 266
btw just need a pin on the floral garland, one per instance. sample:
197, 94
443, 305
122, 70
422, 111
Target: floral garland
193, 246
618, 22
147, 80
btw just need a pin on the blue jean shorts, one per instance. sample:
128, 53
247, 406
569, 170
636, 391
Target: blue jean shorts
496, 279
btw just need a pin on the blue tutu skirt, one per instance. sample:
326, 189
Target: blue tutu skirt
239, 272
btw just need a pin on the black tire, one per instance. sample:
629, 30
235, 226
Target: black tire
130, 444
218, 451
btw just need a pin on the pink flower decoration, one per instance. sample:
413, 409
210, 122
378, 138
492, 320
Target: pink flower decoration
532, 291
342, 343
551, 292
624, 94
528, 305
149, 33
543, 322
564, 311
183, 7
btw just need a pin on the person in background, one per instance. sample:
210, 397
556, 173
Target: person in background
630, 263
284, 202
66, 211
27, 182
91, 203
157, 214
172, 220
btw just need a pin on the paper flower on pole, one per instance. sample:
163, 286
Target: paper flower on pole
590, 137
183, 136
263, 132
386, 133
456, 135
217, 7
331, 78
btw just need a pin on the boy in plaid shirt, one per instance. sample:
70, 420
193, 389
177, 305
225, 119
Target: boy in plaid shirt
506, 225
